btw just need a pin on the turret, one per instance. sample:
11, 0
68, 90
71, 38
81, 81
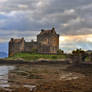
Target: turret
42, 30
12, 40
53, 30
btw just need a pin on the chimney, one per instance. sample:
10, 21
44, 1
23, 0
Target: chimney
12, 39
53, 29
42, 30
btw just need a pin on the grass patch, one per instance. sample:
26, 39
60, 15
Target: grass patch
87, 59
30, 56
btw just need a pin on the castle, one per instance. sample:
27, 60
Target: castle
47, 43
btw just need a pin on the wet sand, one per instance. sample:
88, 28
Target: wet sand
47, 77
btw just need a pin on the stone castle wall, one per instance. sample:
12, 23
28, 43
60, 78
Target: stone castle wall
19, 45
15, 46
30, 46
47, 43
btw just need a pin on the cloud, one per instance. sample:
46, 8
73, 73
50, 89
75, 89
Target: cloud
25, 18
71, 42
45, 14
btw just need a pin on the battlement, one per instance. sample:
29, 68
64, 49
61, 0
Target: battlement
16, 40
47, 31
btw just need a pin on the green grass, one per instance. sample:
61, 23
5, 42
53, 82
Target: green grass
87, 59
30, 56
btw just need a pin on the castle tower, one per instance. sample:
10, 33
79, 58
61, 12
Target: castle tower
48, 41
16, 46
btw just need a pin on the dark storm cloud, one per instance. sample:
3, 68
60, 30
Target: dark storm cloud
27, 17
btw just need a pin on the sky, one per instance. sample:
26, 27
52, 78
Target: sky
25, 18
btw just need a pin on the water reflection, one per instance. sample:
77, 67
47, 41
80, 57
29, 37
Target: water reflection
4, 70
4, 79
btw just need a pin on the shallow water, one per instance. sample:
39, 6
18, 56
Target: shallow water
4, 78
4, 70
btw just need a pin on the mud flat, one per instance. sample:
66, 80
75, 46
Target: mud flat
79, 80
46, 77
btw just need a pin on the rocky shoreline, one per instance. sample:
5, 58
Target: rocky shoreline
43, 61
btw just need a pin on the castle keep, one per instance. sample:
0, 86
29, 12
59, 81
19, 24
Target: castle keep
47, 43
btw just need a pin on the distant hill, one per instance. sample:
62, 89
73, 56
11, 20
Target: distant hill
3, 55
